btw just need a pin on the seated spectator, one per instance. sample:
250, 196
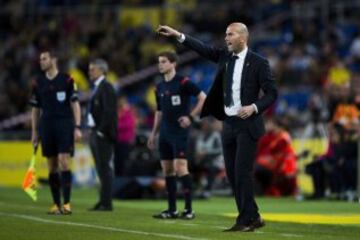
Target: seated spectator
323, 169
209, 161
335, 172
142, 161
347, 163
275, 169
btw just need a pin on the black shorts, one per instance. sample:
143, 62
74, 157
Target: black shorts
173, 147
57, 136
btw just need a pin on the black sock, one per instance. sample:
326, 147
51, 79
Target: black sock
54, 182
186, 182
66, 185
171, 190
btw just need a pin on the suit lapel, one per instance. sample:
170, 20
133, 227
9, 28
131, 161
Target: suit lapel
99, 87
95, 99
246, 68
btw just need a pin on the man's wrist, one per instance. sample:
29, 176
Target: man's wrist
181, 38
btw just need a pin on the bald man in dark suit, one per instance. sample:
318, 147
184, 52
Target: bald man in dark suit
234, 99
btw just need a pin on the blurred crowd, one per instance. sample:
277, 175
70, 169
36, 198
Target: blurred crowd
315, 58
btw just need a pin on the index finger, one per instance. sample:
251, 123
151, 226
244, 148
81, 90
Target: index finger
158, 28
161, 29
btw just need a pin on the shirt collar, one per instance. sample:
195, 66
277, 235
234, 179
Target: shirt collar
242, 54
99, 80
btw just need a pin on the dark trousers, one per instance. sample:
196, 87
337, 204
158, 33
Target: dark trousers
122, 151
239, 149
102, 150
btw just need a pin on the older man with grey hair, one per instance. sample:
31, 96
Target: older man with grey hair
102, 119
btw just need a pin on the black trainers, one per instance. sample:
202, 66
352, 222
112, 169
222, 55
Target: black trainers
166, 215
187, 215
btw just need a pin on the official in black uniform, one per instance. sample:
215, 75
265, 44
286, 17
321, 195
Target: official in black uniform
234, 99
173, 119
102, 119
55, 123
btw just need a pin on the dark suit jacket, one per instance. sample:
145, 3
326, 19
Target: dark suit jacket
256, 76
104, 110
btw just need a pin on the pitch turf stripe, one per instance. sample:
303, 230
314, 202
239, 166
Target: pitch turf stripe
26, 217
335, 219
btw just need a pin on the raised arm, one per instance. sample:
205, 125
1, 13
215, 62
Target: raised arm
209, 52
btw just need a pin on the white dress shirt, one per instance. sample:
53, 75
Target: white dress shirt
91, 122
236, 84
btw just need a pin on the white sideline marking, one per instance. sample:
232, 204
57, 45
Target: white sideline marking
189, 224
167, 222
290, 235
26, 217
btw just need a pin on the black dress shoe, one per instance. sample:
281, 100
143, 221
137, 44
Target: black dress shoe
101, 207
104, 208
96, 206
240, 228
258, 223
